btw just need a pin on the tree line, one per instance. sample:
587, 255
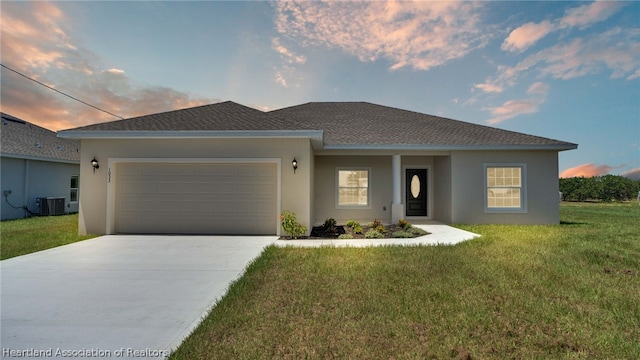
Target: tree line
602, 188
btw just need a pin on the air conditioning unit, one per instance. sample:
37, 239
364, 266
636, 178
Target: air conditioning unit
51, 206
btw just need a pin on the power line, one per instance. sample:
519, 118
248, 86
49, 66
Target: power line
60, 92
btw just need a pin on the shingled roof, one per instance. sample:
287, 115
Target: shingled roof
224, 116
22, 139
342, 125
362, 125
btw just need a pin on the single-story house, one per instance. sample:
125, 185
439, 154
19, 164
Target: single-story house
229, 169
40, 172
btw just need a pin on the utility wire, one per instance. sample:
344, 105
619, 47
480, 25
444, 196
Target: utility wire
60, 92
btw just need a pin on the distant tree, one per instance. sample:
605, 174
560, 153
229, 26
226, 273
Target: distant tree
603, 188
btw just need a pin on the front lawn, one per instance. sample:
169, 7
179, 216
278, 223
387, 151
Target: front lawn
24, 236
566, 291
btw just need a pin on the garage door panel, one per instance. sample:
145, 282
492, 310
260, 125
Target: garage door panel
196, 198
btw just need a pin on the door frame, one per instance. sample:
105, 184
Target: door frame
429, 191
112, 169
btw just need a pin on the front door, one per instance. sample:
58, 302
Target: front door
416, 192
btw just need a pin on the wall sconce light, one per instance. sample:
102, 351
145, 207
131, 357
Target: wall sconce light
95, 164
294, 163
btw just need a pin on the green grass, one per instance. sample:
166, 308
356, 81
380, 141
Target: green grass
568, 291
20, 237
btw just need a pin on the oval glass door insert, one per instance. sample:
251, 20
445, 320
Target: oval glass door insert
415, 186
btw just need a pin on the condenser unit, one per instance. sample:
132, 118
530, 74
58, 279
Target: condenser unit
51, 206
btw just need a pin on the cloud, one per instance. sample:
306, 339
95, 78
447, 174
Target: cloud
526, 35
539, 88
489, 87
585, 15
616, 50
538, 94
586, 170
633, 174
287, 54
419, 35
37, 40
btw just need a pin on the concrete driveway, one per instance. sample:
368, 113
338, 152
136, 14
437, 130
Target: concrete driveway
134, 296
117, 296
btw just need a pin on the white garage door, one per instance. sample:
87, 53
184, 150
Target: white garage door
220, 198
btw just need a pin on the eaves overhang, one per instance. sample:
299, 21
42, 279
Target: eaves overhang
316, 136
39, 158
402, 147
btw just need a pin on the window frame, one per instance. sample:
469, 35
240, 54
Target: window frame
338, 187
77, 189
523, 188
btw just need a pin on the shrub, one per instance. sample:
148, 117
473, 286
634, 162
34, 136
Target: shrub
373, 234
381, 229
402, 234
352, 224
345, 236
375, 224
329, 225
290, 224
404, 224
416, 231
357, 229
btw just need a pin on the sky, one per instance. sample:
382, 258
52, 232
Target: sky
565, 70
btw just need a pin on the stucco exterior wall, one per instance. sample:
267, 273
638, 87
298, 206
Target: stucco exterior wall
325, 180
31, 179
442, 189
295, 188
468, 187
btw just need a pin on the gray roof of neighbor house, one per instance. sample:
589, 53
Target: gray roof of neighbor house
334, 125
366, 125
22, 139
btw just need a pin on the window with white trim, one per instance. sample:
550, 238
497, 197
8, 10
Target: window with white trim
73, 189
353, 188
505, 188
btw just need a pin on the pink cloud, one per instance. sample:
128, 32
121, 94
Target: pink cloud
526, 35
420, 35
633, 174
37, 40
585, 15
511, 109
538, 93
586, 170
489, 87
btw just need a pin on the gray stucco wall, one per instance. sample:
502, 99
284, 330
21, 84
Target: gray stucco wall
468, 187
31, 179
296, 191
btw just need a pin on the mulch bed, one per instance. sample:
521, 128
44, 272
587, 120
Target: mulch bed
319, 232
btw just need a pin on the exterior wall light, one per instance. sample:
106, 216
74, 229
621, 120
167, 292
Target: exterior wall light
95, 164
294, 163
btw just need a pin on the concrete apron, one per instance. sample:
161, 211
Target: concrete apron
117, 296
137, 296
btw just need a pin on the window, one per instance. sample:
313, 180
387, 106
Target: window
505, 188
73, 189
353, 188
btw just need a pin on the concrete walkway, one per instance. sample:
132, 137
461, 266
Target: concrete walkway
440, 234
133, 296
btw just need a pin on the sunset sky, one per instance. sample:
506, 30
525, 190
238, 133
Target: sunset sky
564, 70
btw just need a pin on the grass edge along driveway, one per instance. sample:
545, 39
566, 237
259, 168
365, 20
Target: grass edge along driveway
25, 236
564, 291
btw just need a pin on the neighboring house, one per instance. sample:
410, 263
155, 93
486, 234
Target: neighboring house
36, 164
228, 169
